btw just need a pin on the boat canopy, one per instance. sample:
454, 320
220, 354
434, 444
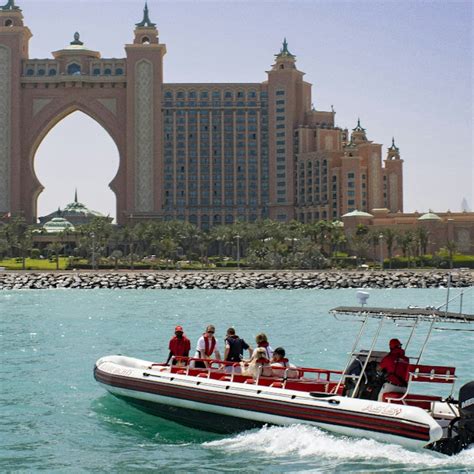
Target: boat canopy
411, 313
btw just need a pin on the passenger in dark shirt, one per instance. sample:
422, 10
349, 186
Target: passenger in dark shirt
234, 348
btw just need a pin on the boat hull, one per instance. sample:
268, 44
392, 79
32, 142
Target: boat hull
226, 407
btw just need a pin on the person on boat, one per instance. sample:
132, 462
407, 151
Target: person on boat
280, 363
206, 347
257, 365
234, 348
395, 367
179, 346
262, 341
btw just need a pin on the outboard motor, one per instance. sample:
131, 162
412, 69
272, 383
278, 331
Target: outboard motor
461, 429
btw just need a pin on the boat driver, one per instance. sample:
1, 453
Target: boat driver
395, 367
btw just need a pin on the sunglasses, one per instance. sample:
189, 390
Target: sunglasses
211, 332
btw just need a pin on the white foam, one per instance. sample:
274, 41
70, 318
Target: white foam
305, 441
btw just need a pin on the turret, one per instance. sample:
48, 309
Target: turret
284, 59
393, 152
358, 134
146, 31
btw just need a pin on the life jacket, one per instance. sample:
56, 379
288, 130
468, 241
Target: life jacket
236, 348
209, 346
262, 360
265, 345
180, 346
396, 365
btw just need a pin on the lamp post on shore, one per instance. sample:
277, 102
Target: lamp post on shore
381, 250
93, 250
238, 250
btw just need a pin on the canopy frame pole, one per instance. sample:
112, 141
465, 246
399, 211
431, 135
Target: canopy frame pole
351, 354
374, 341
428, 335
411, 334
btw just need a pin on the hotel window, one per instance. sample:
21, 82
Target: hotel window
281, 110
52, 72
119, 71
280, 92
180, 95
280, 125
350, 175
168, 95
280, 102
280, 134
279, 118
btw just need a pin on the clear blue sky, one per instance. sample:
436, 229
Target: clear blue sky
403, 67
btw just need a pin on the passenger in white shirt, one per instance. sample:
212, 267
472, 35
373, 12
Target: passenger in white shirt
206, 346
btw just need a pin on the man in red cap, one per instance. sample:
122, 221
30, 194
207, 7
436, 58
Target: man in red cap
395, 367
179, 346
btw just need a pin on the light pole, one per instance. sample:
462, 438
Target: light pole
381, 250
93, 250
238, 250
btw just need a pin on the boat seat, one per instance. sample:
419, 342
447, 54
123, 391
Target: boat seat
225, 378
181, 371
432, 373
203, 375
412, 399
249, 381
277, 385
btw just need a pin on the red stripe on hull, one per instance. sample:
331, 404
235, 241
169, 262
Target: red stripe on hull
404, 428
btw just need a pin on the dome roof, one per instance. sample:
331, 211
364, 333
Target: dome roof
429, 216
78, 209
57, 225
357, 213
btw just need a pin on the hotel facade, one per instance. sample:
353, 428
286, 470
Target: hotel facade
208, 153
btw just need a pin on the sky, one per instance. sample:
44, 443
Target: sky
403, 67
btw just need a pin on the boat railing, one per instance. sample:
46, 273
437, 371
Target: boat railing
296, 378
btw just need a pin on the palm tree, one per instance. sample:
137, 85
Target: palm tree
422, 236
389, 237
405, 242
451, 247
55, 248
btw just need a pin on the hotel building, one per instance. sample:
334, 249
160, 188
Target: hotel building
208, 153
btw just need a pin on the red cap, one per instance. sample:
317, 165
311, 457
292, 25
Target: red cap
178, 329
394, 343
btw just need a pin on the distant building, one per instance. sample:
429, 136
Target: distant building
208, 153
441, 227
76, 213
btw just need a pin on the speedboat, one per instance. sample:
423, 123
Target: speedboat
220, 398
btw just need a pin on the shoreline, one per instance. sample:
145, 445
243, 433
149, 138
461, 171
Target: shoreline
234, 280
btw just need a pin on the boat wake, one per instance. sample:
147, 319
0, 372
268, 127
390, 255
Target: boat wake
302, 442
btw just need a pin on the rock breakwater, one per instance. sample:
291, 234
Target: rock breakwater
235, 280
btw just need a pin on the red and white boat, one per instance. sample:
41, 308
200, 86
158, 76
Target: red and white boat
213, 399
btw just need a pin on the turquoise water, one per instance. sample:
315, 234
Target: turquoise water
54, 417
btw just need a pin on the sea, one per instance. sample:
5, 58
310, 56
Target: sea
55, 418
